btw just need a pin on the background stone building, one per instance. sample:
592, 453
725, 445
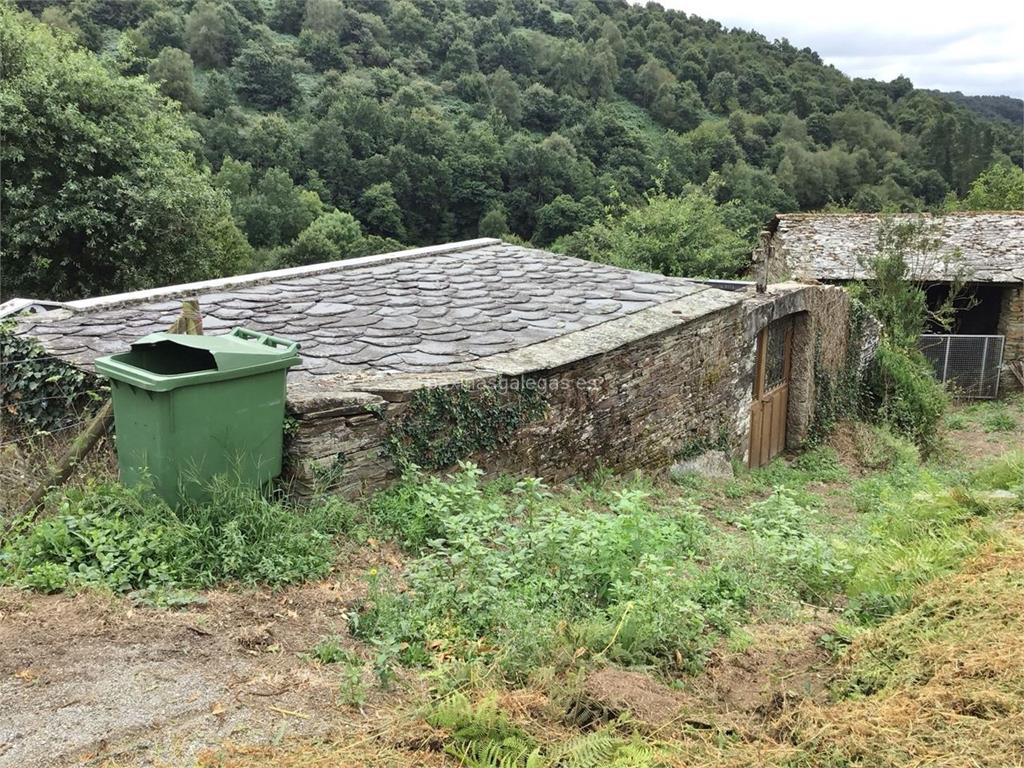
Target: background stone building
522, 360
985, 248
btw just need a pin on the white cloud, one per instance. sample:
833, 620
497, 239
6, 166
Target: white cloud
975, 47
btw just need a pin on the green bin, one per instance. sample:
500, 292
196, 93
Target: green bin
188, 408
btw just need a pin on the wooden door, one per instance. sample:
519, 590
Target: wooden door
771, 392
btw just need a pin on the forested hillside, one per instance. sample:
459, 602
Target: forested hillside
339, 127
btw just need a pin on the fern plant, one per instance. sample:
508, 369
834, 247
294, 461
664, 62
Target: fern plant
481, 736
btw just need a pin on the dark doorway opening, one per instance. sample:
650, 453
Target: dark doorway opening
977, 308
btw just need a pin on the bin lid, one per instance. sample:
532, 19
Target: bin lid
165, 361
241, 348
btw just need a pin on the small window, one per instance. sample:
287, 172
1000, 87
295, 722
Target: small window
775, 372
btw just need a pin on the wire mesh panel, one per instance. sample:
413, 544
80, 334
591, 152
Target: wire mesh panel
969, 364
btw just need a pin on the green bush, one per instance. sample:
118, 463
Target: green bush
124, 539
689, 235
878, 448
905, 395
40, 392
515, 576
102, 535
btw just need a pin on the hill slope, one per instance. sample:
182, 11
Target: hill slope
443, 119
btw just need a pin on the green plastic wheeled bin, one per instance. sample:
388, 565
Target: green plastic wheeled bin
189, 408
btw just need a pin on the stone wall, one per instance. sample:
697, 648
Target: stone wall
1011, 325
657, 386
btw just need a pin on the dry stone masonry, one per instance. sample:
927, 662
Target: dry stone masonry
522, 360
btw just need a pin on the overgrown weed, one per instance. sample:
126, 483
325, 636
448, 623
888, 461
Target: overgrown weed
124, 539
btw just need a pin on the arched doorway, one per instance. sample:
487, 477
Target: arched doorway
769, 410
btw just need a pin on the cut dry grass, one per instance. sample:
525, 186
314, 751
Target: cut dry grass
941, 684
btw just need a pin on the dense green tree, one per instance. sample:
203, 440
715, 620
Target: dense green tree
253, 11
100, 193
493, 224
172, 72
381, 213
286, 16
722, 92
272, 142
522, 115
324, 16
127, 58
688, 236
562, 216
330, 237
219, 95
999, 188
271, 210
164, 29
505, 95
266, 75
459, 60
59, 18
212, 33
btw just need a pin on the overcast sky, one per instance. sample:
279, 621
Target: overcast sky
974, 46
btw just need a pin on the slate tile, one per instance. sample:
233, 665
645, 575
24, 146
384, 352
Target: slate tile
395, 323
426, 360
391, 342
322, 308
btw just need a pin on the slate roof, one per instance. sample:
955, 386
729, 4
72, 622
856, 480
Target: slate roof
829, 246
427, 310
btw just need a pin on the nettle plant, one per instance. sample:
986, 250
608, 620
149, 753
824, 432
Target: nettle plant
40, 392
521, 577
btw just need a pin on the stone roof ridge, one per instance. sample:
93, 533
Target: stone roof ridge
261, 278
870, 214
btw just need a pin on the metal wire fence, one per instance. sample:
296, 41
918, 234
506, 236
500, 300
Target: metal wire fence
970, 364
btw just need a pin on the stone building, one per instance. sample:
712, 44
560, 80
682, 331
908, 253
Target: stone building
984, 250
522, 360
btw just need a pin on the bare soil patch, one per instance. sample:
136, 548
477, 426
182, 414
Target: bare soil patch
784, 662
89, 678
612, 692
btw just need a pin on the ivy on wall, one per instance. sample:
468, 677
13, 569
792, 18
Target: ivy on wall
39, 392
444, 425
839, 395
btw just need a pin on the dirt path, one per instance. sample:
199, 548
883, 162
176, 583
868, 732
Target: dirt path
92, 677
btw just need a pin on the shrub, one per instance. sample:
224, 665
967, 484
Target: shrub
878, 448
905, 395
105, 535
38, 391
789, 552
689, 236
